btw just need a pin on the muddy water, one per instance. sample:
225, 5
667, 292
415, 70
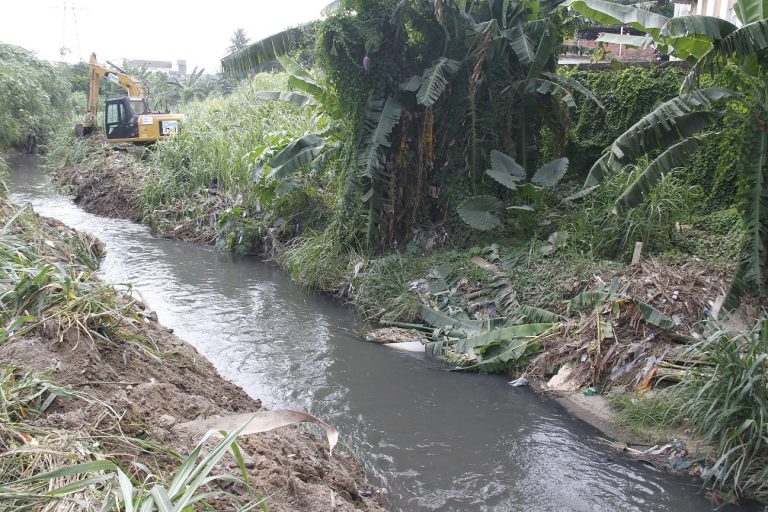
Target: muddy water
434, 440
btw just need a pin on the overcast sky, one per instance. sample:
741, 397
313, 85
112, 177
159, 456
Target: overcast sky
141, 29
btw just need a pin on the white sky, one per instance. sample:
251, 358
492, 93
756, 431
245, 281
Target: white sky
142, 29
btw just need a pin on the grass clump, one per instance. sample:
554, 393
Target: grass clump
382, 289
647, 414
725, 400
318, 260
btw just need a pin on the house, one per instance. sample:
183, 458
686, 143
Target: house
164, 66
719, 8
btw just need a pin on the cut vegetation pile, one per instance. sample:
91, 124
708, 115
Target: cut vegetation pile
104, 182
96, 399
618, 326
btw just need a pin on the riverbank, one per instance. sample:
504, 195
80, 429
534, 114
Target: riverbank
648, 314
89, 374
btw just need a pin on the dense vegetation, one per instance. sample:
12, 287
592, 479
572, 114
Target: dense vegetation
34, 99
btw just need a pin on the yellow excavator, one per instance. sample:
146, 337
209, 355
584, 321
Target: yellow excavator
126, 119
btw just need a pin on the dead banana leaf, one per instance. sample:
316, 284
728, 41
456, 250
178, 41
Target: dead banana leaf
261, 421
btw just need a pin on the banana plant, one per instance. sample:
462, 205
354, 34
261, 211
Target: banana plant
312, 150
675, 127
481, 212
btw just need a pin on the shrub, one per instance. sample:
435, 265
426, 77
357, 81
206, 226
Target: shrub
725, 399
596, 229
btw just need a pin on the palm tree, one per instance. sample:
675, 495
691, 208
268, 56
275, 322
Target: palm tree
239, 41
676, 126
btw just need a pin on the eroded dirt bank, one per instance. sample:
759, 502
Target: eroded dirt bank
134, 381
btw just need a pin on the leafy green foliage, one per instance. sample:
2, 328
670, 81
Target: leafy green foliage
724, 399
486, 351
596, 229
667, 124
381, 118
34, 98
627, 95
480, 212
435, 79
745, 47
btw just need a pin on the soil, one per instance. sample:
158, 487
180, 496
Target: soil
111, 189
152, 394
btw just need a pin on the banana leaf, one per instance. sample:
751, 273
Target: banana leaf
534, 314
609, 13
452, 325
435, 79
655, 317
477, 344
513, 355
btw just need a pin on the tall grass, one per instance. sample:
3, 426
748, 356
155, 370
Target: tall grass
318, 260
226, 138
725, 399
595, 229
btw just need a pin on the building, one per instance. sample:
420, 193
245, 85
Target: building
718, 8
164, 66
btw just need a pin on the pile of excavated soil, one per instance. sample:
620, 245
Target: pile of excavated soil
112, 186
111, 189
153, 392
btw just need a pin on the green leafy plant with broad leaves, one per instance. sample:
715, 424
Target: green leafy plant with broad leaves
675, 126
487, 346
481, 212
450, 70
274, 175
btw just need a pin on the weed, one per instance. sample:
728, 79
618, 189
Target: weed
382, 289
318, 260
725, 399
645, 414
595, 229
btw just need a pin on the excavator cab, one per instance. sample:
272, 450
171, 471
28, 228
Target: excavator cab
129, 119
122, 117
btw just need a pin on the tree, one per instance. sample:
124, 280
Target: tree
428, 85
676, 126
191, 87
239, 41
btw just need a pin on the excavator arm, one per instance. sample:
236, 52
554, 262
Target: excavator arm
132, 85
